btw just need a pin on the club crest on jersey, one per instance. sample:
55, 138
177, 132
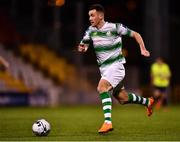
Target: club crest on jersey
108, 33
94, 33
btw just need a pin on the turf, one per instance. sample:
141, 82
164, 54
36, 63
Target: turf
80, 123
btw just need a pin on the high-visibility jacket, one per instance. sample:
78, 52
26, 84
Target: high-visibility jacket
161, 74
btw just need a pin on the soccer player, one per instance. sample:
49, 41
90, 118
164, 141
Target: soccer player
107, 41
160, 79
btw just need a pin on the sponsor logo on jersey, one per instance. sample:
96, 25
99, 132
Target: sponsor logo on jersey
94, 33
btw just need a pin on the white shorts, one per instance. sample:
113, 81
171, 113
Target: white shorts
113, 73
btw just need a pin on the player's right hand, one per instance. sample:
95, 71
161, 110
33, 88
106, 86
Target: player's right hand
82, 47
145, 53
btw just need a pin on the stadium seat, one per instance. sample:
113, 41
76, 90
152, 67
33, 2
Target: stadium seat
47, 60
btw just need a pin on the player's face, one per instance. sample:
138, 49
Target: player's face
95, 17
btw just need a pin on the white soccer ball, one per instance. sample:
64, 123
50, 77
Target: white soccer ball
41, 127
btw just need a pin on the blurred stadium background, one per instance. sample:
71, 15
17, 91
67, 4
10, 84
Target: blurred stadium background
39, 41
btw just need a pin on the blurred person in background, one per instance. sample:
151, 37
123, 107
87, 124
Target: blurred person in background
106, 39
160, 80
4, 65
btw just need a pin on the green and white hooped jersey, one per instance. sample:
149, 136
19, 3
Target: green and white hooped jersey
107, 42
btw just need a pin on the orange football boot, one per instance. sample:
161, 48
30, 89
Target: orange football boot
105, 128
149, 107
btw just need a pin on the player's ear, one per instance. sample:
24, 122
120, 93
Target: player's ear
101, 15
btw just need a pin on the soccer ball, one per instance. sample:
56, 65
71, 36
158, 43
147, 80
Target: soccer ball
41, 127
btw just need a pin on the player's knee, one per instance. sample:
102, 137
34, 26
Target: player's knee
104, 86
101, 89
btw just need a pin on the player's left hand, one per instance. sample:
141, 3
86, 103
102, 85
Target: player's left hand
145, 53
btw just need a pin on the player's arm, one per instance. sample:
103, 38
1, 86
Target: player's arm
84, 44
123, 30
140, 41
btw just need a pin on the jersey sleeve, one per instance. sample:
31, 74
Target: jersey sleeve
123, 30
86, 38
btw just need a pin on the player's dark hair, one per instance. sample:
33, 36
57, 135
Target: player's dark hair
97, 7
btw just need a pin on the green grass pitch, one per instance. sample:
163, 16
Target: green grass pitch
80, 123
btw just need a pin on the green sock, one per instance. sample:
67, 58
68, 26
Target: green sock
107, 106
132, 98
